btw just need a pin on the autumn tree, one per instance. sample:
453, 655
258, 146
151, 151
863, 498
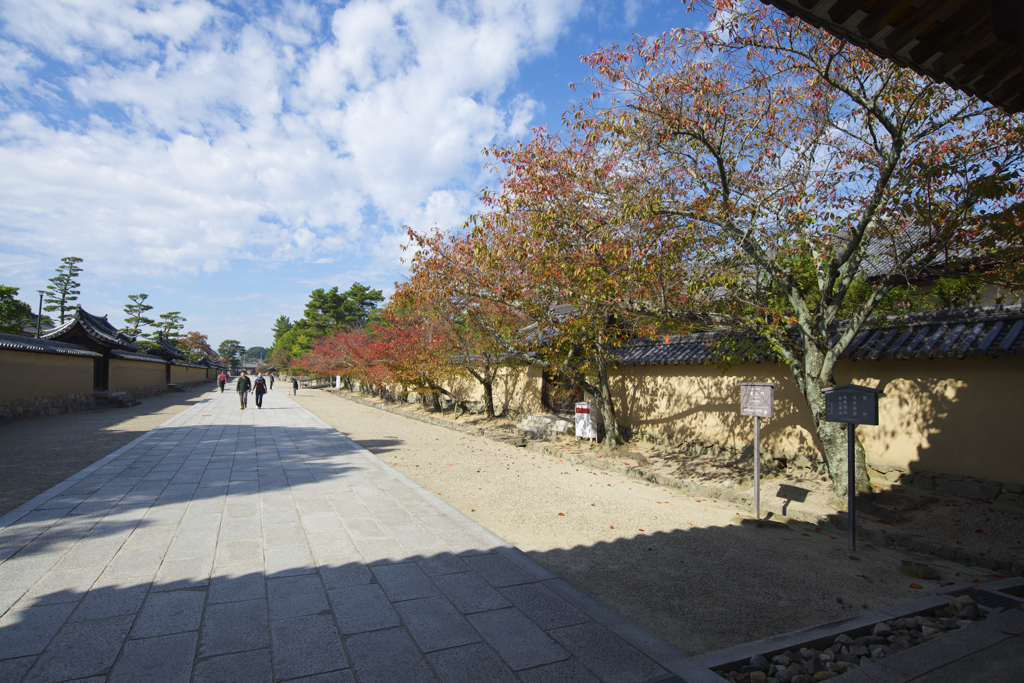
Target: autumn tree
195, 346
806, 165
63, 291
568, 232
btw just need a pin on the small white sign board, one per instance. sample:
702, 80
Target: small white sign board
757, 399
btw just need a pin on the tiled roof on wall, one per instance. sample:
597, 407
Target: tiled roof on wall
143, 357
953, 333
13, 342
167, 349
96, 328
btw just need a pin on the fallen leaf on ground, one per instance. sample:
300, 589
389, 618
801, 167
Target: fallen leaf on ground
561, 514
915, 585
854, 558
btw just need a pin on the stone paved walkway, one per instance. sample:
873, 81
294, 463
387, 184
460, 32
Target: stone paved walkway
262, 545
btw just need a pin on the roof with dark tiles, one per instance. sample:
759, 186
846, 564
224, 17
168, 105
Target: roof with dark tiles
14, 342
166, 349
952, 333
86, 327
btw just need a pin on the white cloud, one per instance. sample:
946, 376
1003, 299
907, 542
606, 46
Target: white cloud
185, 133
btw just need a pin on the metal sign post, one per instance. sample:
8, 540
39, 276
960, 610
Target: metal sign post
854, 405
757, 400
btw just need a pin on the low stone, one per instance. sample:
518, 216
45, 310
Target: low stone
782, 660
948, 623
893, 475
882, 629
924, 483
991, 489
758, 677
861, 651
969, 612
796, 669
963, 601
808, 654
861, 641
782, 675
824, 675
903, 643
844, 639
1014, 488
967, 488
928, 630
864, 661
801, 678
907, 624
841, 667
760, 662
963, 623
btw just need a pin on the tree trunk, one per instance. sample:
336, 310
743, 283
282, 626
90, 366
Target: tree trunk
831, 434
612, 438
489, 398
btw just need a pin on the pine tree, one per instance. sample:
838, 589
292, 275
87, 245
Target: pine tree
136, 315
61, 291
171, 325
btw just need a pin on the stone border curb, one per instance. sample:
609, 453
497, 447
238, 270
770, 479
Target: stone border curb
658, 650
696, 490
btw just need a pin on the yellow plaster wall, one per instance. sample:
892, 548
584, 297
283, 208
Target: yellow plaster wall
184, 375
34, 375
944, 415
132, 374
515, 390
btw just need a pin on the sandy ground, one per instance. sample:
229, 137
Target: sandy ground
39, 453
971, 525
688, 570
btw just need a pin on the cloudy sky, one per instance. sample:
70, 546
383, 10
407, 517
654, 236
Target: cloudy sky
229, 157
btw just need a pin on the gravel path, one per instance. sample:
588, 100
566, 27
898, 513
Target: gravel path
688, 570
39, 453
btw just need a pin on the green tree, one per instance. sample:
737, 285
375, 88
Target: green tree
334, 310
136, 318
171, 325
13, 313
282, 326
62, 290
256, 353
231, 351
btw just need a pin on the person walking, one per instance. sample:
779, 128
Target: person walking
222, 379
271, 377
242, 387
295, 386
259, 388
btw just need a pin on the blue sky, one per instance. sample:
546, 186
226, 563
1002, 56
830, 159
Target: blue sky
227, 158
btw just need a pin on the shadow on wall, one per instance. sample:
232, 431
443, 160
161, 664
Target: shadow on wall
700, 404
944, 415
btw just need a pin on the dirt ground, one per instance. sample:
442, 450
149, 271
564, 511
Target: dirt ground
695, 572
970, 525
39, 453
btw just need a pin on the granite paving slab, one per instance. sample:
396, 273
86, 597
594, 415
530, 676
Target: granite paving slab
264, 545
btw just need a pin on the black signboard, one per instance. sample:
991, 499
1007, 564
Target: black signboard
852, 404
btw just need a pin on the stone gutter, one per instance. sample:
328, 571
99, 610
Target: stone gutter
834, 522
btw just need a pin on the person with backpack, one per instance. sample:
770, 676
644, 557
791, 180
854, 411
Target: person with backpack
222, 379
295, 386
271, 377
259, 388
242, 387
